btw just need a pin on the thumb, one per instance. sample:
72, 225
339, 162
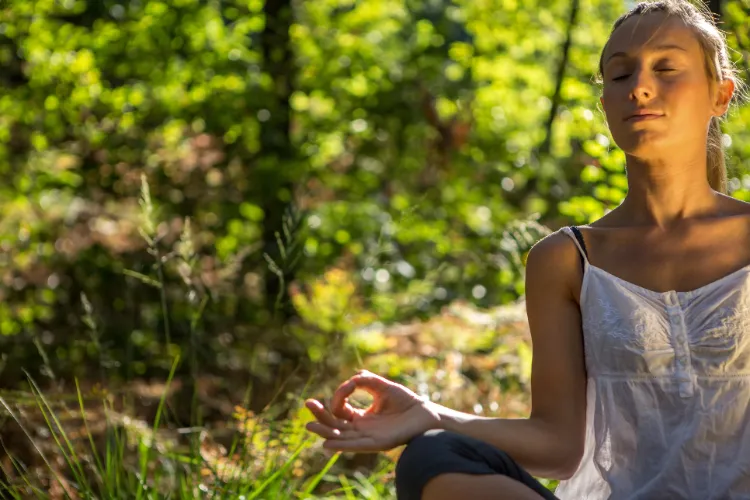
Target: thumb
365, 380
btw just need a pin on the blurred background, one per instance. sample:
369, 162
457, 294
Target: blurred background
212, 209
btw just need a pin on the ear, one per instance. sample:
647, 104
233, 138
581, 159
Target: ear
723, 96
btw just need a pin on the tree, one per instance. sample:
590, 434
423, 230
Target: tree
278, 161
715, 7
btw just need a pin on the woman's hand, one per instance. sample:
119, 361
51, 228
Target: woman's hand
395, 416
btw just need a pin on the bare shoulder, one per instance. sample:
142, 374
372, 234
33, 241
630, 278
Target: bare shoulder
554, 261
737, 212
742, 207
735, 206
553, 247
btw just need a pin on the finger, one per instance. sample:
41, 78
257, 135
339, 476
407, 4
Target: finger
368, 381
323, 430
329, 433
324, 416
338, 401
371, 382
348, 412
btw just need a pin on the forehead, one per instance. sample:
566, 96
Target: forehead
645, 32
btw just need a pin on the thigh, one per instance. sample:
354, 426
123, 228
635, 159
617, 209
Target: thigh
440, 452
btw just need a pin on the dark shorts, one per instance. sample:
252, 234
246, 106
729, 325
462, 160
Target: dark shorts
439, 452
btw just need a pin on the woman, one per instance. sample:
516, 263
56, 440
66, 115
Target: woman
640, 321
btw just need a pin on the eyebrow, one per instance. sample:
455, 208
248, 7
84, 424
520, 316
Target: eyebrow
660, 48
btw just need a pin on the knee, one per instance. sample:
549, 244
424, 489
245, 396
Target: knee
420, 461
423, 449
425, 455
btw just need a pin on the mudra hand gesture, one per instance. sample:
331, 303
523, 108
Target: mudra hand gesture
395, 416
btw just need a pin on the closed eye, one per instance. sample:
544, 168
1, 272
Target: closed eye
663, 70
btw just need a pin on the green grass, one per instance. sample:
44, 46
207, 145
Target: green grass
126, 459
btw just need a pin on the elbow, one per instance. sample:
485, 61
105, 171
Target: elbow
569, 462
564, 447
565, 473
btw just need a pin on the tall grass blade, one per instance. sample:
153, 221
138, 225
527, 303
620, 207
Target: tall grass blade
115, 458
8, 487
348, 488
99, 468
145, 450
34, 443
40, 494
313, 483
269, 481
142, 278
70, 455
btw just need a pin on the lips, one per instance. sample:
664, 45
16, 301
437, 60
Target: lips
644, 115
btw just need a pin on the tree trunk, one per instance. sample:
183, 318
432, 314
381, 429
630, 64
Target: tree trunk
715, 6
277, 155
572, 21
544, 149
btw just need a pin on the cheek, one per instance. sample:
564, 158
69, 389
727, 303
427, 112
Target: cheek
611, 103
687, 103
614, 96
683, 90
676, 89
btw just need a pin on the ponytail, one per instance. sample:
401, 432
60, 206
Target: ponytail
716, 166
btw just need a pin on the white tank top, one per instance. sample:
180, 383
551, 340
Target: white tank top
668, 390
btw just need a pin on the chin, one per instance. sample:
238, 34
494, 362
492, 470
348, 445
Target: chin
641, 144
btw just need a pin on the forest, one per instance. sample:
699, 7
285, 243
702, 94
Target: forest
213, 209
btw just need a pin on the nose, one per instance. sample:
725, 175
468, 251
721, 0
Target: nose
643, 86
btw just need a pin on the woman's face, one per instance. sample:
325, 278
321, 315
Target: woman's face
654, 64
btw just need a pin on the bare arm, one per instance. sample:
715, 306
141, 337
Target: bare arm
550, 442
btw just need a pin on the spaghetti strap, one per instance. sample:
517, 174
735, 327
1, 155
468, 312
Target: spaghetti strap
575, 235
579, 237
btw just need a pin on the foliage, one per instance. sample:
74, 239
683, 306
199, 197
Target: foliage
268, 190
416, 127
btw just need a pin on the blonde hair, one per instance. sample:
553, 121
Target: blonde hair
718, 67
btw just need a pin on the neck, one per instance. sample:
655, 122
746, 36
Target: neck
663, 193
